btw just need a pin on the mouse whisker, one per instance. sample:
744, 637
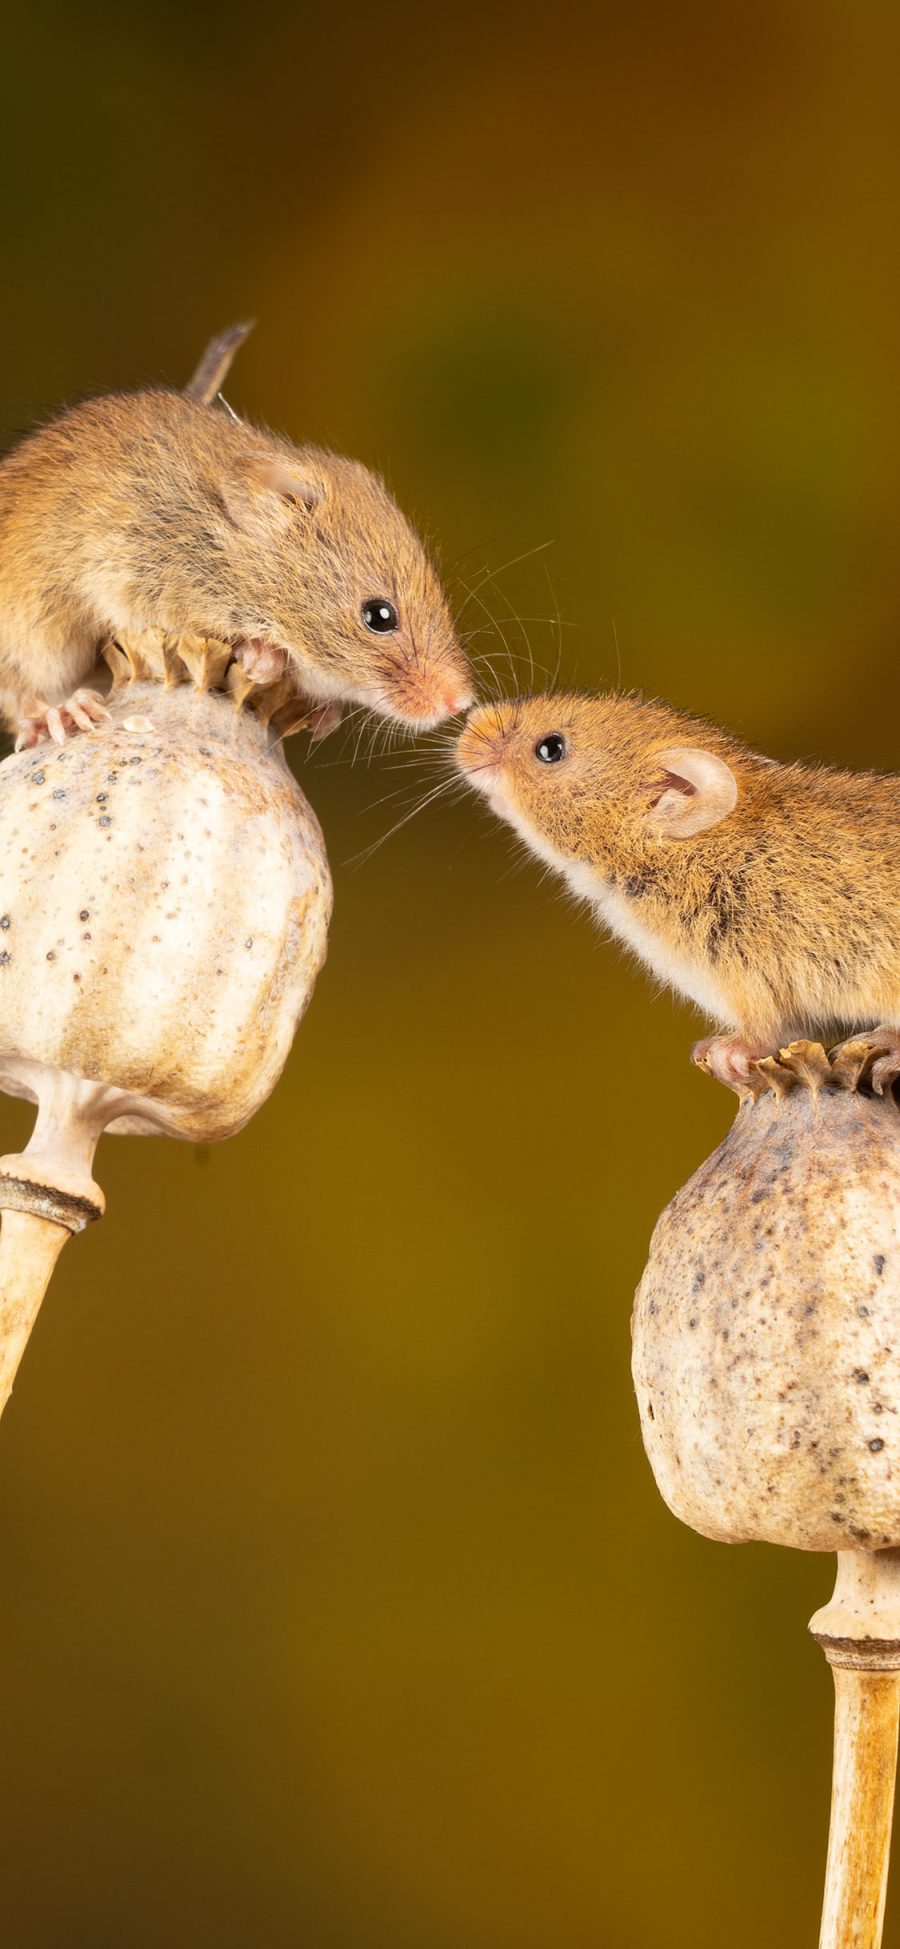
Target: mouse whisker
492, 621
448, 568
316, 752
417, 660
410, 786
618, 654
489, 574
515, 618
424, 761
385, 798
449, 785
559, 629
361, 730
552, 622
491, 667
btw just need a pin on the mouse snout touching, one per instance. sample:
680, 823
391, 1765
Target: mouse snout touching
484, 743
426, 687
439, 694
456, 696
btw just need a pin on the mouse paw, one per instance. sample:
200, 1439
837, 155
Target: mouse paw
83, 711
261, 661
873, 1057
728, 1059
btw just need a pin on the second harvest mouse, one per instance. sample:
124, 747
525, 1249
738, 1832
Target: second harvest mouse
768, 894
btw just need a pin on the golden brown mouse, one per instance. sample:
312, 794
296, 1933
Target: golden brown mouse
159, 509
768, 894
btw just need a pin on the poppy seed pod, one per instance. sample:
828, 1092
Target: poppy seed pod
164, 907
766, 1360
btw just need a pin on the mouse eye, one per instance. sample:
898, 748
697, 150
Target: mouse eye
551, 748
379, 615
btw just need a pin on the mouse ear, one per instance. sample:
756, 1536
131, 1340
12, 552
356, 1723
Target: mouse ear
266, 485
688, 791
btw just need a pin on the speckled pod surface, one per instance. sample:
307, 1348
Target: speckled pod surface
767, 1323
164, 907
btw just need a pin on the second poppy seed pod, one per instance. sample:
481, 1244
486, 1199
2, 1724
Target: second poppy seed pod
767, 1368
767, 1322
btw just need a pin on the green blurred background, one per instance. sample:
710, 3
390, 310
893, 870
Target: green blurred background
338, 1604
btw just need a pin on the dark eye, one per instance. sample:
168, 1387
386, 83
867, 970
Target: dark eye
551, 748
379, 615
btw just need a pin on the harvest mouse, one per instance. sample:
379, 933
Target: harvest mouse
768, 894
159, 509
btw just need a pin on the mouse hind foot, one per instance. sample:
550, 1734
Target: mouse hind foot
85, 710
873, 1057
728, 1059
262, 662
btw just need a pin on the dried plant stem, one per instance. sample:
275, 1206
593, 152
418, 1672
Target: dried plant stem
859, 1631
29, 1249
866, 1717
46, 1193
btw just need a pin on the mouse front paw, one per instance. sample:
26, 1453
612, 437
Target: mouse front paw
728, 1059
83, 711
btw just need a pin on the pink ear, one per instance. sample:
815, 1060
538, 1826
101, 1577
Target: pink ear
268, 485
688, 791
289, 482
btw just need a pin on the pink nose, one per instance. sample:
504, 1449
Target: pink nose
456, 698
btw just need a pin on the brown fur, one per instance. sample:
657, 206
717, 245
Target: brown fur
787, 909
152, 509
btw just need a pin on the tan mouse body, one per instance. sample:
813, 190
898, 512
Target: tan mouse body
768, 894
159, 509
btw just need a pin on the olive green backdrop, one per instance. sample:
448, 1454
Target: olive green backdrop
337, 1604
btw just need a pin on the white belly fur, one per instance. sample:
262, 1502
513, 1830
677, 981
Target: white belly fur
620, 917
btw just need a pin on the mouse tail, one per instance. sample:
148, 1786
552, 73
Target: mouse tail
215, 364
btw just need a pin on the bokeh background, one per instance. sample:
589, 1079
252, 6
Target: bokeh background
337, 1604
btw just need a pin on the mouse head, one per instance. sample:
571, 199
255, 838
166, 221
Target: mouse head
588, 779
344, 584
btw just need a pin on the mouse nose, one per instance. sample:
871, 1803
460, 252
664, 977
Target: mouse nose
457, 697
481, 742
